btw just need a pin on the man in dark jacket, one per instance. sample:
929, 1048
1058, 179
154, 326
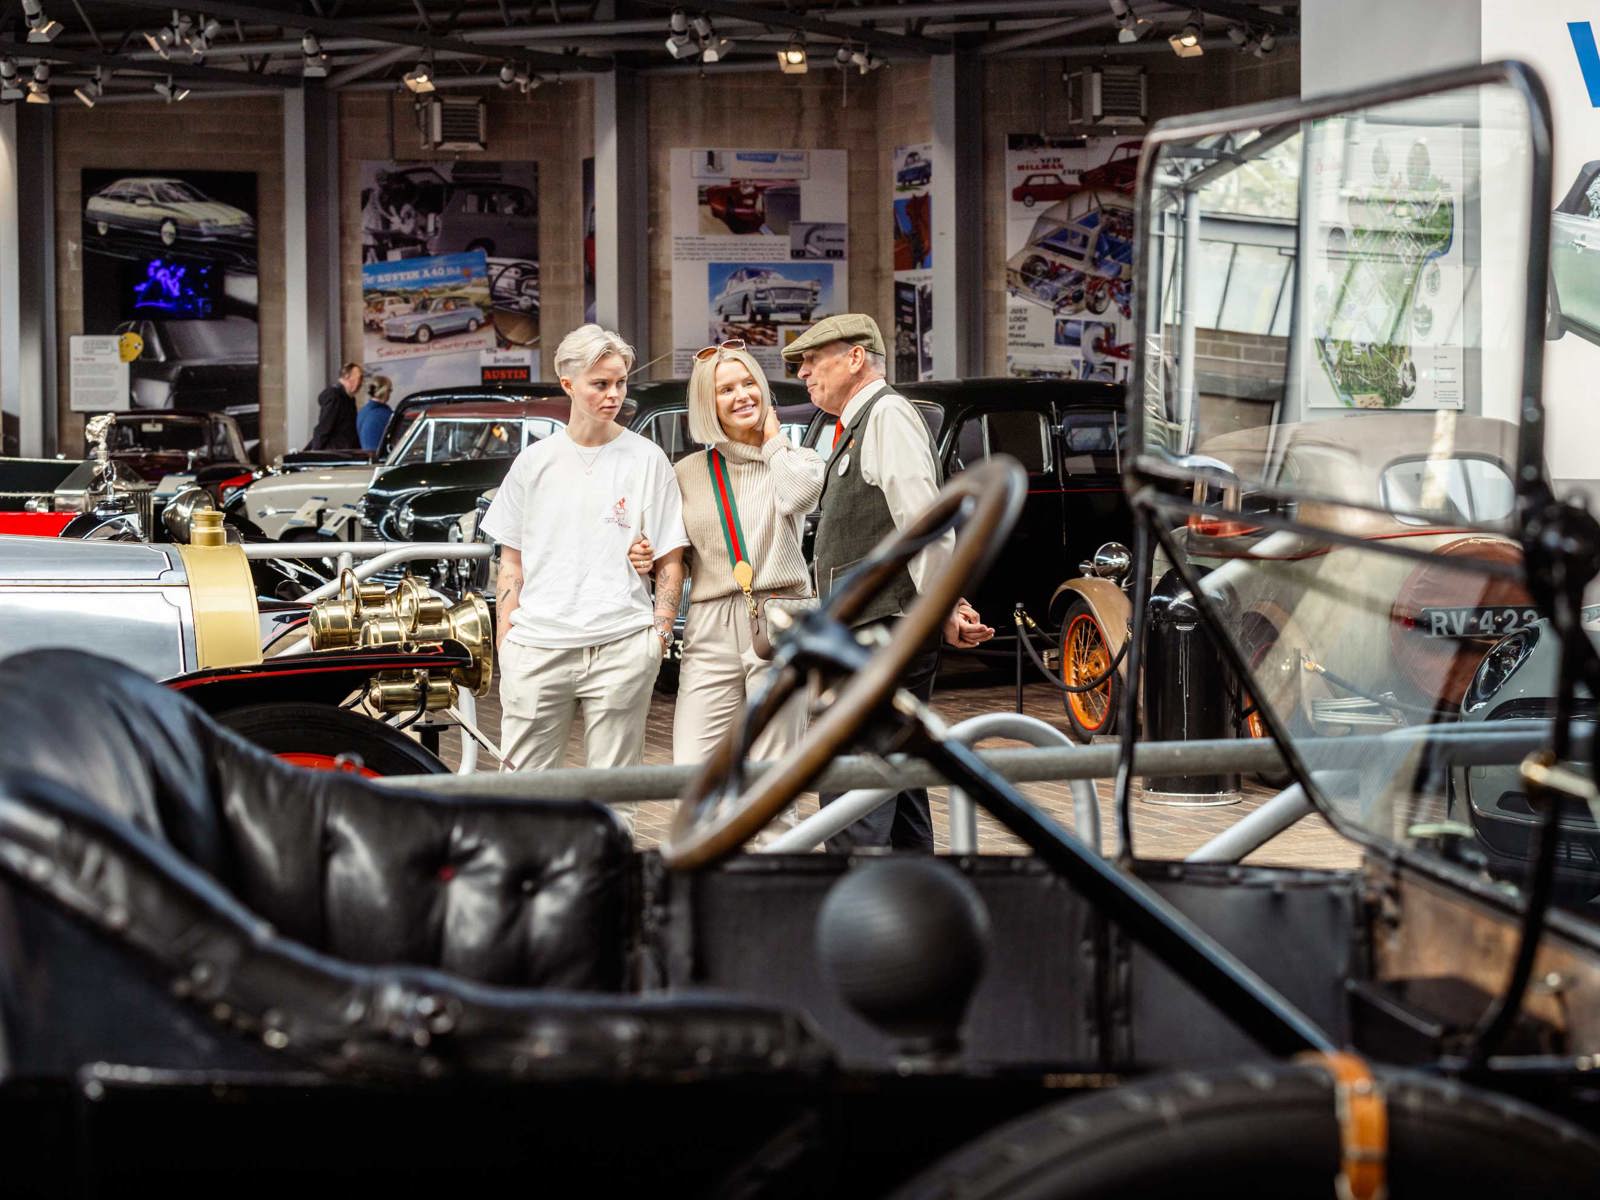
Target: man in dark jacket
336, 413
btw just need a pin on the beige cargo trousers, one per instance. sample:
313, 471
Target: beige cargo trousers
542, 691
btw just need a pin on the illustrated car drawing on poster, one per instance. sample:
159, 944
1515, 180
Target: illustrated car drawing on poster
1080, 255
449, 301
166, 212
763, 293
746, 206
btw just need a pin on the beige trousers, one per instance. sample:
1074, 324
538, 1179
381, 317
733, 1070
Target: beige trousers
720, 672
541, 691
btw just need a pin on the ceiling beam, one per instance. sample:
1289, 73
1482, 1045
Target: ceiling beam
50, 52
1249, 14
258, 14
781, 19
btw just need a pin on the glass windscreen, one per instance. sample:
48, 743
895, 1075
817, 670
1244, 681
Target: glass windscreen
1373, 262
1332, 363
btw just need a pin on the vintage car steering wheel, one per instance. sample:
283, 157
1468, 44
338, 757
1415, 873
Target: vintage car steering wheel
716, 815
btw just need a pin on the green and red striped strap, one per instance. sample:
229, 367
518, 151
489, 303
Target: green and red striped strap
727, 507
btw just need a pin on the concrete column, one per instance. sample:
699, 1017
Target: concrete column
27, 275
622, 208
312, 328
956, 93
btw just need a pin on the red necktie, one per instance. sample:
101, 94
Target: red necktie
838, 430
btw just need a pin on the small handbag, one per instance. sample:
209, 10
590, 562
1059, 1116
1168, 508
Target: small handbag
760, 608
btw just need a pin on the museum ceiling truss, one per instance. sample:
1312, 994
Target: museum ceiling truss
105, 51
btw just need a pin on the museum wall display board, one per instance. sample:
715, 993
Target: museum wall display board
171, 257
912, 189
760, 247
1069, 255
450, 270
1563, 44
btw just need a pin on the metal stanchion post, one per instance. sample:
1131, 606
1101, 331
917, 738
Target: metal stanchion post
1016, 617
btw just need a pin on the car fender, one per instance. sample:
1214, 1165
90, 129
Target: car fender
312, 677
1109, 605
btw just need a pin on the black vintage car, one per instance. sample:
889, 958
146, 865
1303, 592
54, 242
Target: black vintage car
1067, 435
424, 502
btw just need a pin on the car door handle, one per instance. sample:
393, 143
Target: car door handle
1582, 244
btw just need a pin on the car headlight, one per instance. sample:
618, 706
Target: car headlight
1503, 661
405, 521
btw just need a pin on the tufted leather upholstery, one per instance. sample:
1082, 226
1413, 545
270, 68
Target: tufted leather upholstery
501, 892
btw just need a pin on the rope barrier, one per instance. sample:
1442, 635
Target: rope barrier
1019, 615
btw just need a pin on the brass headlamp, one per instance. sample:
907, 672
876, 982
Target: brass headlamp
364, 614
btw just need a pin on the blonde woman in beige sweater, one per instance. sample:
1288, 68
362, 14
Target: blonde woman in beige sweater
754, 474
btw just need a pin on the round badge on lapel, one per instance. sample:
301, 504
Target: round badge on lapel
844, 462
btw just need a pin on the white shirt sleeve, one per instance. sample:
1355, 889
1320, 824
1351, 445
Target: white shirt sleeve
896, 459
664, 518
503, 522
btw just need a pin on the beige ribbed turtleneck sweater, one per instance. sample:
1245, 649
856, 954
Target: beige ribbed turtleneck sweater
774, 486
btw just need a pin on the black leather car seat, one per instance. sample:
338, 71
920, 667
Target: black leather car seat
496, 891
162, 883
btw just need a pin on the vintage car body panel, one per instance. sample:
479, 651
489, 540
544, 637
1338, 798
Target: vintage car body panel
1109, 605
281, 504
1346, 602
127, 601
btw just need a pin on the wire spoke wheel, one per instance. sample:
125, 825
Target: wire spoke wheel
1086, 656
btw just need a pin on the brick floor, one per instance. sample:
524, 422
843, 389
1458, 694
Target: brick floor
1160, 831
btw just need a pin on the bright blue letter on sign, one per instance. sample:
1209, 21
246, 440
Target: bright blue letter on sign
1588, 58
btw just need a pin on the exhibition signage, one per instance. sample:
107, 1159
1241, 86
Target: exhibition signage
1069, 256
760, 248
97, 374
913, 262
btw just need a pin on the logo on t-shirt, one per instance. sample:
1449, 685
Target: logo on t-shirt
618, 515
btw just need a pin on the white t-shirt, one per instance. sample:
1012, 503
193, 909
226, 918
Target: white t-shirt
573, 511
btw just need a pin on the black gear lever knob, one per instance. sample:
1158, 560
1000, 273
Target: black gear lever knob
905, 941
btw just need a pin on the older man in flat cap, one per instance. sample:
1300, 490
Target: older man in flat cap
882, 474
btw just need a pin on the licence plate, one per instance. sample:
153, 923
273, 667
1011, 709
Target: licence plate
1489, 621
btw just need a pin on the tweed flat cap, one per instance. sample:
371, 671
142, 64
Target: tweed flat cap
856, 328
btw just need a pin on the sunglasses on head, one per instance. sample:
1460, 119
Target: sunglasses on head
712, 351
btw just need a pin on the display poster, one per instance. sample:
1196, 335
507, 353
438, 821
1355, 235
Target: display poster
171, 257
1069, 256
913, 263
1561, 40
464, 234
760, 248
1384, 295
588, 240
97, 374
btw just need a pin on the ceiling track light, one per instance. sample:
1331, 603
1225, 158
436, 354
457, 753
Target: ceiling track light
792, 59
865, 60
171, 92
842, 55
40, 27
1265, 44
716, 49
91, 90
10, 81
39, 85
1130, 25
1186, 43
420, 78
314, 60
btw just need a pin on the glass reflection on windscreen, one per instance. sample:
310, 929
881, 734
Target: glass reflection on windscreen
1332, 341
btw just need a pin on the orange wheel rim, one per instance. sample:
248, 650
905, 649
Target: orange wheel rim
1085, 656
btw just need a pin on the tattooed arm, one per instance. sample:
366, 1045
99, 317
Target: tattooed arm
669, 591
507, 592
